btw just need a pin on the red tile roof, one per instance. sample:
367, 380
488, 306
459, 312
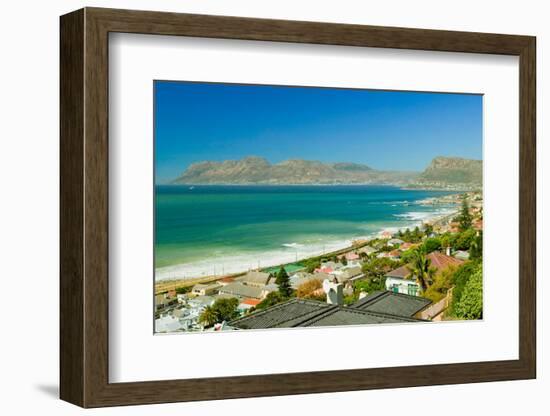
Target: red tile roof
252, 302
441, 261
438, 260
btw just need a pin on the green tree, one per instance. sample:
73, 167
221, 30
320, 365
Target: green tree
376, 268
281, 276
221, 310
369, 285
417, 234
476, 247
431, 244
428, 229
283, 281
470, 305
408, 256
184, 289
421, 269
271, 299
442, 283
460, 279
312, 264
226, 309
464, 240
208, 317
344, 261
447, 240
465, 218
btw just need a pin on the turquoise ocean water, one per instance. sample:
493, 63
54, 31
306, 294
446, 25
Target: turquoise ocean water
204, 230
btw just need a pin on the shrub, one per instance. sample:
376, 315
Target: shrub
470, 305
305, 289
271, 299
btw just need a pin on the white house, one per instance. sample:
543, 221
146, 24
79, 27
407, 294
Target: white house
205, 289
395, 242
401, 285
167, 323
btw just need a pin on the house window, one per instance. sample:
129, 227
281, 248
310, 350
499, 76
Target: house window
411, 290
395, 288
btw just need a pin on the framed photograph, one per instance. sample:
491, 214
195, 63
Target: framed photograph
255, 207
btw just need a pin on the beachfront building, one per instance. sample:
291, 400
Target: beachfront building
162, 301
395, 242
350, 256
401, 280
255, 278
226, 280
368, 250
205, 289
393, 255
242, 291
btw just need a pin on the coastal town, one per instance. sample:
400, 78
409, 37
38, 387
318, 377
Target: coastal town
429, 272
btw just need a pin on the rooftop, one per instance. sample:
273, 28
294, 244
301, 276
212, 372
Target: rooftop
260, 278
306, 312
250, 301
392, 303
438, 260
240, 290
200, 286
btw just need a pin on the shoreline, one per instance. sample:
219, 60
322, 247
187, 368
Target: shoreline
212, 269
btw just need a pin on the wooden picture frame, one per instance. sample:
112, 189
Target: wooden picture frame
84, 317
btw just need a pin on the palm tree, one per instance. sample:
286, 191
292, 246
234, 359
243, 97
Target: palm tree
421, 268
208, 316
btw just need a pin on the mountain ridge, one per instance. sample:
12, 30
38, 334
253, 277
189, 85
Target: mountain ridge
442, 172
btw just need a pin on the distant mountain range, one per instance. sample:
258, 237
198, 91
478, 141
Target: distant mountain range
443, 172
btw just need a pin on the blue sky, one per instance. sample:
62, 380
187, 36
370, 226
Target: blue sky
384, 129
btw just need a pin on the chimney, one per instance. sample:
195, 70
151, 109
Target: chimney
334, 291
448, 251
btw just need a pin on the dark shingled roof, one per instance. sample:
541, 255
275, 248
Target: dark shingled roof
351, 316
283, 315
305, 313
392, 303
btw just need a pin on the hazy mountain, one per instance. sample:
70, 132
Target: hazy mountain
452, 171
257, 170
442, 172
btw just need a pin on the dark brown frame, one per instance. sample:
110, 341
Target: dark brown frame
84, 208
